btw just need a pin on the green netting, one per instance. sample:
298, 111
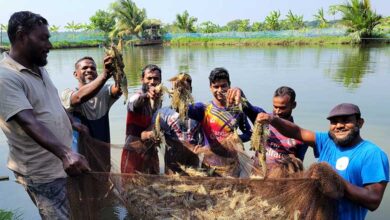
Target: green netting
262, 34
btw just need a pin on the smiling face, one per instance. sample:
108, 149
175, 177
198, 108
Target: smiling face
38, 45
151, 78
283, 106
85, 71
345, 130
219, 89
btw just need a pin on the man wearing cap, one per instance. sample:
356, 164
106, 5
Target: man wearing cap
362, 164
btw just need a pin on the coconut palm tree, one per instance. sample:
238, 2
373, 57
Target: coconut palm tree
73, 26
358, 17
294, 22
272, 21
54, 28
323, 23
129, 19
185, 22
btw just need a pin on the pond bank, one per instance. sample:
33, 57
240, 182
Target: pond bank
263, 42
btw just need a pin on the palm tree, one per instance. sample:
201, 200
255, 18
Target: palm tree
72, 26
129, 19
54, 28
294, 21
323, 23
185, 22
358, 17
272, 21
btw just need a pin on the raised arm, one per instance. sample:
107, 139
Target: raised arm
73, 163
288, 128
89, 90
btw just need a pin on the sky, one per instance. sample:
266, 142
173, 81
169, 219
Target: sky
60, 12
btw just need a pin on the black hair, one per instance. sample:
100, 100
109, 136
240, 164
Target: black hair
23, 21
218, 74
152, 68
285, 90
81, 59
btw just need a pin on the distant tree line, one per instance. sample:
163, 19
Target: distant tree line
123, 18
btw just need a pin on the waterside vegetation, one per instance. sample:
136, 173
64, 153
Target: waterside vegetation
124, 20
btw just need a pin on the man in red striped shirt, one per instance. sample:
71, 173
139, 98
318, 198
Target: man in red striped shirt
136, 156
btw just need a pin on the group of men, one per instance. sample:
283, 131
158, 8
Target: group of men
38, 126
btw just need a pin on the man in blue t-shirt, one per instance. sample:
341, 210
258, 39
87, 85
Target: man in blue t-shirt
362, 164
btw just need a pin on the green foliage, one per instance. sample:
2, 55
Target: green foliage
129, 19
358, 17
257, 26
294, 22
272, 21
4, 27
268, 41
103, 21
320, 17
10, 215
73, 27
238, 25
185, 23
208, 27
384, 26
81, 44
54, 28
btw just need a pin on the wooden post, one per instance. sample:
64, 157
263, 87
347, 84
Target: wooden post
3, 178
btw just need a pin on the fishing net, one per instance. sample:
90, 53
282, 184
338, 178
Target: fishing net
106, 194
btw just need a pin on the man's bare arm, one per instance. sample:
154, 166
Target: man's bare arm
369, 196
73, 163
288, 128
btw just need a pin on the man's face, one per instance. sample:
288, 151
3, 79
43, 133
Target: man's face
38, 45
219, 89
345, 129
283, 106
151, 78
86, 71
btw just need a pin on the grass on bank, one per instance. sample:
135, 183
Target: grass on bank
299, 41
10, 215
260, 42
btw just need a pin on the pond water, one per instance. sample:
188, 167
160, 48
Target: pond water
321, 76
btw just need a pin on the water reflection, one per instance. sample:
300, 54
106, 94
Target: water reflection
351, 67
136, 58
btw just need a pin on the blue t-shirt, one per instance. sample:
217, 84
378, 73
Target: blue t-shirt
364, 163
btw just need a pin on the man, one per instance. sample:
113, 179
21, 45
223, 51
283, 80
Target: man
90, 102
37, 128
139, 117
363, 165
278, 146
183, 137
219, 121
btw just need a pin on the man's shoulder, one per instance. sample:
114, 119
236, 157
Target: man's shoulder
370, 147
